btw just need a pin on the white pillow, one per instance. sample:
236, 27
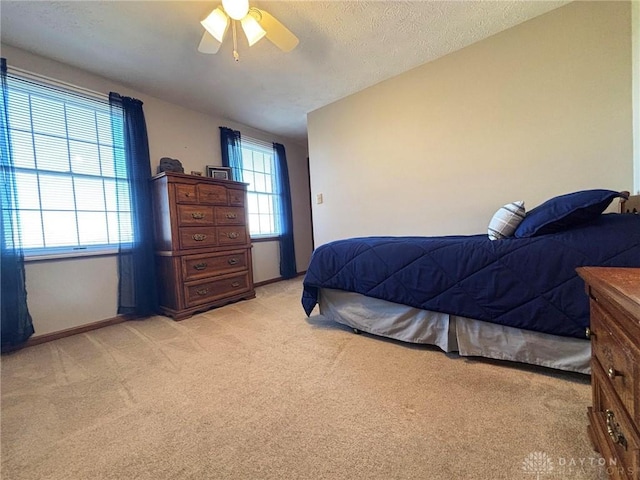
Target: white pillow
506, 220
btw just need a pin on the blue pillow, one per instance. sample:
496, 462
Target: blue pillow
565, 211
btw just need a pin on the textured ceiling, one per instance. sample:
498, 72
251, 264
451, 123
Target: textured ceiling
345, 46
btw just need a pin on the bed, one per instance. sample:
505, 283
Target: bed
513, 295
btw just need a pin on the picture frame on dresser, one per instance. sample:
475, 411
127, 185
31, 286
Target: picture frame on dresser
220, 173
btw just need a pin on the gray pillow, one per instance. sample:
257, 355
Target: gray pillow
506, 220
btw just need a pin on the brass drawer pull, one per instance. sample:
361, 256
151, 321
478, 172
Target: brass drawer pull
613, 373
235, 284
197, 215
231, 235
233, 261
589, 333
187, 194
199, 237
613, 429
231, 216
202, 291
200, 266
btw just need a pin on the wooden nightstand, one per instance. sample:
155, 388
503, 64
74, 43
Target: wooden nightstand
614, 429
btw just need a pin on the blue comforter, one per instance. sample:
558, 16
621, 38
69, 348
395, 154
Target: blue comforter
528, 283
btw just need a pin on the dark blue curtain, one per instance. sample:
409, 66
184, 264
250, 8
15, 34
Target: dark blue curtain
17, 325
137, 293
285, 217
230, 147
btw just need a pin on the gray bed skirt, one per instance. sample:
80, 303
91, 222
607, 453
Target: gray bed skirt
466, 336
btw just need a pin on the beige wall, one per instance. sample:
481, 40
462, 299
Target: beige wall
67, 293
538, 110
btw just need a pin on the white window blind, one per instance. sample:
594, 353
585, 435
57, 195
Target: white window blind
71, 182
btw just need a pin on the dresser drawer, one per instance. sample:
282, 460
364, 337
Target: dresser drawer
186, 193
230, 216
195, 215
236, 197
613, 353
232, 235
195, 267
212, 194
209, 291
198, 237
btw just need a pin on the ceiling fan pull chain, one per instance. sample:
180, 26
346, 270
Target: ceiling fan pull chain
236, 57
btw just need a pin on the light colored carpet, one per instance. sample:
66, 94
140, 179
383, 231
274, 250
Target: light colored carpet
255, 390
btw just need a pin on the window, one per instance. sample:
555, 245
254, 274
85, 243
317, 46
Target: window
72, 187
258, 170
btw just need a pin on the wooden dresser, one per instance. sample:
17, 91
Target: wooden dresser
614, 418
203, 248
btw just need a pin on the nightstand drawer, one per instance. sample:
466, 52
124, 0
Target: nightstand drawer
201, 266
614, 355
209, 291
195, 215
613, 427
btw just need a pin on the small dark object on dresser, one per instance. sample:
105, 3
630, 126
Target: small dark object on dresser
170, 165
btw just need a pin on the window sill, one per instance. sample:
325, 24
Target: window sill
69, 255
265, 239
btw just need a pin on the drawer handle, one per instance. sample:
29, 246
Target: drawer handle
231, 216
235, 284
231, 235
233, 261
197, 215
199, 237
187, 194
614, 430
202, 291
589, 333
200, 266
613, 373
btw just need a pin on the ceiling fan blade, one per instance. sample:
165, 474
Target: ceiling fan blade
280, 35
208, 44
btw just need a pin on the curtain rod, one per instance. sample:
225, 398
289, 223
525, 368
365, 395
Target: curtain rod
58, 83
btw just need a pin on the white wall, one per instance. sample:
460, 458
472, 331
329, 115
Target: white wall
63, 294
67, 293
541, 109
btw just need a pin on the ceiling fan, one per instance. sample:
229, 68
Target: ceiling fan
255, 22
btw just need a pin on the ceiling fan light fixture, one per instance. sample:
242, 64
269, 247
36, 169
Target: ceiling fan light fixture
255, 23
216, 24
252, 29
236, 9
